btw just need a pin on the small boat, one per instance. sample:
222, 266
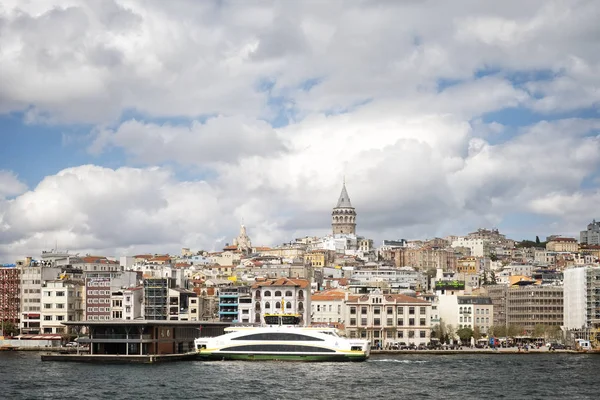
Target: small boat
282, 339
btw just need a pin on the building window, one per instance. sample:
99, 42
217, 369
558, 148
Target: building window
400, 334
47, 317
411, 334
377, 311
47, 305
277, 293
422, 322
411, 310
288, 293
422, 334
411, 322
363, 310
390, 310
352, 310
422, 311
400, 322
376, 321
352, 321
268, 293
363, 322
60, 317
278, 305
267, 305
400, 310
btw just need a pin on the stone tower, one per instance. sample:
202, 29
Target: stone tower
343, 217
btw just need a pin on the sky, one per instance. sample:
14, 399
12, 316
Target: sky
130, 126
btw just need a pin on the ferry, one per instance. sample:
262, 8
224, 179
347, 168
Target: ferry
283, 339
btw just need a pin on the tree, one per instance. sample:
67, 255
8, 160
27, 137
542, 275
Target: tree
485, 278
9, 328
498, 331
465, 334
450, 333
540, 330
477, 333
537, 240
515, 330
493, 278
493, 257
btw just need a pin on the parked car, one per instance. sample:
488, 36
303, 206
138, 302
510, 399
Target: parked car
71, 344
557, 346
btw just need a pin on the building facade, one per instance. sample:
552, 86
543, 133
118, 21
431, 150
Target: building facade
62, 300
10, 295
560, 244
289, 296
384, 319
591, 236
531, 305
582, 297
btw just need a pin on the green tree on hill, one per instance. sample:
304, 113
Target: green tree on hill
465, 335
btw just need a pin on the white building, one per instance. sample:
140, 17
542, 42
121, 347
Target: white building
33, 273
581, 297
478, 247
283, 295
328, 307
62, 300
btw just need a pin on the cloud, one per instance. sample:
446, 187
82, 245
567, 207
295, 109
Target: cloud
10, 184
411, 101
219, 139
408, 176
90, 62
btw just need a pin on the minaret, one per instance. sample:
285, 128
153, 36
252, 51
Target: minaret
343, 217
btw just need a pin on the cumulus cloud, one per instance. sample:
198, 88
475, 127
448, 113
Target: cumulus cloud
406, 176
82, 61
399, 97
10, 185
220, 139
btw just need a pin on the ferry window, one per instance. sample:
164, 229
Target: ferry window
268, 293
278, 293
279, 336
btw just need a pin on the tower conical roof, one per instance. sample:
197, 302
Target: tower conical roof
344, 200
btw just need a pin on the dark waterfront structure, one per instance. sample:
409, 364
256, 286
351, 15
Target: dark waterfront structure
139, 340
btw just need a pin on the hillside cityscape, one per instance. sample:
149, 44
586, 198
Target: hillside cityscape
413, 293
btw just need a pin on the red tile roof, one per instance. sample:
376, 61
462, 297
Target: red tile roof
302, 283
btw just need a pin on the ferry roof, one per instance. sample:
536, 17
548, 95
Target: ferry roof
144, 322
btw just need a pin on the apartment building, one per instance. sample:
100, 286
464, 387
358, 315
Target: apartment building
33, 273
62, 300
591, 236
272, 296
10, 293
328, 307
384, 319
529, 305
155, 298
561, 244
582, 297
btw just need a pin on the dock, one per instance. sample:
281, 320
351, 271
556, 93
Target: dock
119, 359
